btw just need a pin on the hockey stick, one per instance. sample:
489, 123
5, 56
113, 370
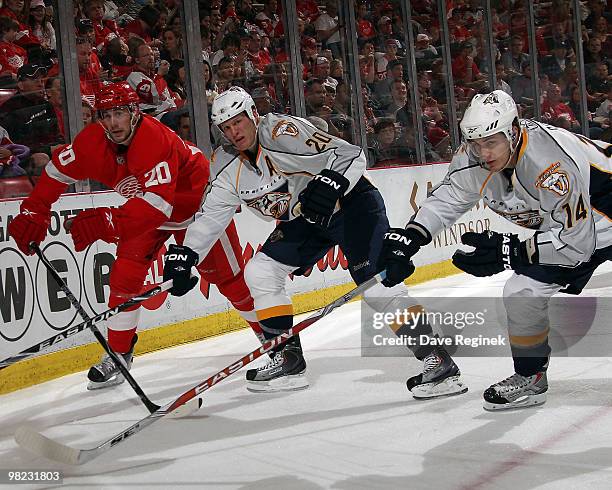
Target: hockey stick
119, 362
152, 407
41, 445
69, 332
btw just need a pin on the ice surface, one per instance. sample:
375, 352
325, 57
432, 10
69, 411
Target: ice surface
356, 427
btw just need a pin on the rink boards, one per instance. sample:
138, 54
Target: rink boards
32, 308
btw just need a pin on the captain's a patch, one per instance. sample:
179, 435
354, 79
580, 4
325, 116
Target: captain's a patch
554, 180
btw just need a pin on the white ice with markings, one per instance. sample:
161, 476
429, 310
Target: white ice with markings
356, 427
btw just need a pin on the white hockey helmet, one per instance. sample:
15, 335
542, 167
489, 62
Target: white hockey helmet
488, 114
232, 102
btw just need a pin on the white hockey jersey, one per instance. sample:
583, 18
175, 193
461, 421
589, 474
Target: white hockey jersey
291, 151
549, 191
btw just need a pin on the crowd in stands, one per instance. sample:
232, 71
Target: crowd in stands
244, 43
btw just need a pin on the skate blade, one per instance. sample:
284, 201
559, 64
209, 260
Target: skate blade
450, 386
116, 380
523, 402
293, 382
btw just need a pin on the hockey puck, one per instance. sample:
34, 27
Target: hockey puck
187, 409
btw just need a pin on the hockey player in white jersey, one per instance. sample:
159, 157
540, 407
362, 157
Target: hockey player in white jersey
283, 168
537, 176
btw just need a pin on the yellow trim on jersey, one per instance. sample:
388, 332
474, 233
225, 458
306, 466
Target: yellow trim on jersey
524, 142
274, 311
529, 340
238, 172
600, 169
57, 364
485, 182
602, 213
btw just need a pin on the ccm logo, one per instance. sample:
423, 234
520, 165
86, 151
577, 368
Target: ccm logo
397, 237
328, 181
176, 257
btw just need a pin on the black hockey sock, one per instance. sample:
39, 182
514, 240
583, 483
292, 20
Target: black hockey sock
272, 327
417, 332
530, 360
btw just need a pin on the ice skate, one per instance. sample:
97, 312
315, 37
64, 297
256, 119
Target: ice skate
517, 391
106, 373
440, 377
286, 371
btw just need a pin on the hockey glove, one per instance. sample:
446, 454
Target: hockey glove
318, 200
493, 253
399, 245
178, 261
28, 226
91, 225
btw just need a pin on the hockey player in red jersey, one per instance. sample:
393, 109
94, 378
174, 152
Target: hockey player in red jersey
163, 180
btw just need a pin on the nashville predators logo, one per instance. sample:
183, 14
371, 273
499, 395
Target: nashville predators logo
284, 127
273, 204
491, 99
554, 180
527, 219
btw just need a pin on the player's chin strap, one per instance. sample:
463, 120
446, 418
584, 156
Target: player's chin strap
513, 148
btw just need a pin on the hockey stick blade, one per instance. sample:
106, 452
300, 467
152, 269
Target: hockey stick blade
41, 445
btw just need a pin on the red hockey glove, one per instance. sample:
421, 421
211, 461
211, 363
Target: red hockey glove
28, 226
91, 225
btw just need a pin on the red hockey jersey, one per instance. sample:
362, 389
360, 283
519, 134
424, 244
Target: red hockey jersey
162, 177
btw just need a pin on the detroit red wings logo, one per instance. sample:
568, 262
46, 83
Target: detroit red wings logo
128, 187
274, 204
144, 91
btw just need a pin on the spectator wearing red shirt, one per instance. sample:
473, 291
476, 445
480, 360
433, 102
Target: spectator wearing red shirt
15, 9
308, 9
145, 24
456, 26
104, 30
256, 54
365, 29
116, 59
89, 73
12, 56
310, 51
465, 71
557, 113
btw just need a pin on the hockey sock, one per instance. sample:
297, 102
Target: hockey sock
121, 340
274, 326
530, 360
